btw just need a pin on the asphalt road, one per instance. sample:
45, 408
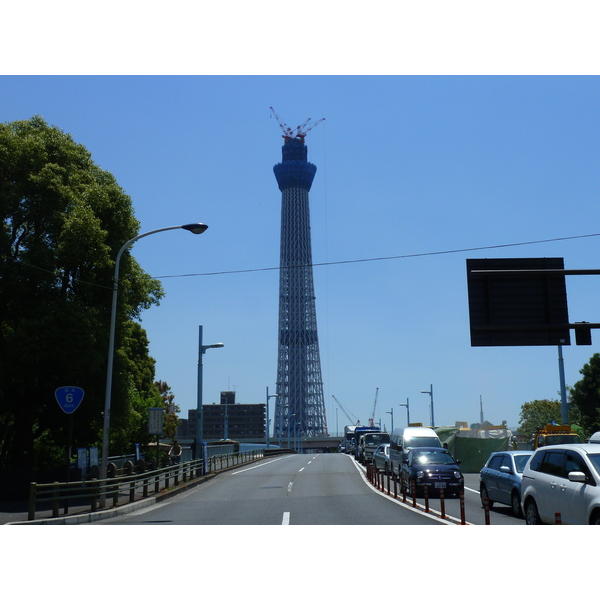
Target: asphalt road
317, 489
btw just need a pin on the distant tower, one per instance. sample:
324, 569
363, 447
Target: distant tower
299, 406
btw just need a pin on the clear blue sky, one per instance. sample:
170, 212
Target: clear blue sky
406, 165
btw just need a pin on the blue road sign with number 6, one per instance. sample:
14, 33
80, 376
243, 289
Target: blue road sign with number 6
69, 398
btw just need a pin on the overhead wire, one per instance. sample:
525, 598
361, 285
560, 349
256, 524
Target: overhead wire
382, 258
338, 262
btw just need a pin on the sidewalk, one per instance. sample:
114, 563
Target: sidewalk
13, 511
17, 512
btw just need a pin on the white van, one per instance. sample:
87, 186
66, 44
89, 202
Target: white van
405, 438
595, 439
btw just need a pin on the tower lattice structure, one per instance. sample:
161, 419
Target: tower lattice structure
299, 407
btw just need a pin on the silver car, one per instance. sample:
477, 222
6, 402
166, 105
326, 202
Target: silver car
500, 478
381, 458
562, 484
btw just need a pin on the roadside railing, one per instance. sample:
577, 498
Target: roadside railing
122, 489
385, 481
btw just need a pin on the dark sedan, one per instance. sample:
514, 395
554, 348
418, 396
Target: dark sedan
434, 468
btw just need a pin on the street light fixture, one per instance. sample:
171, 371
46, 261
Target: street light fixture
195, 228
430, 392
407, 412
267, 441
199, 416
391, 412
289, 422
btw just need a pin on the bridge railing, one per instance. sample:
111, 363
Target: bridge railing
122, 489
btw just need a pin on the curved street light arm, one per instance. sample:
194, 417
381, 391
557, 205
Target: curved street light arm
196, 228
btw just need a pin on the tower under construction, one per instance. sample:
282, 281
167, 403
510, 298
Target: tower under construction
299, 407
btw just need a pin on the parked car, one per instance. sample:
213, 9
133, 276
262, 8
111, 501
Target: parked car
500, 478
434, 468
563, 479
381, 458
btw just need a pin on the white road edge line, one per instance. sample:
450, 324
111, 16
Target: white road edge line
260, 465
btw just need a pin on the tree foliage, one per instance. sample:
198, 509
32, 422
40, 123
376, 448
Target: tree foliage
538, 413
585, 396
171, 409
63, 222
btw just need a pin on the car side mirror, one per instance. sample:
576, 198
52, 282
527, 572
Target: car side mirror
505, 469
458, 462
577, 476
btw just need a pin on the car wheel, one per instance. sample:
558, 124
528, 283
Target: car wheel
595, 518
483, 493
532, 516
515, 504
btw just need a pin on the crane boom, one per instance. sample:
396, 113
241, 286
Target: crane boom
372, 417
352, 418
299, 132
303, 134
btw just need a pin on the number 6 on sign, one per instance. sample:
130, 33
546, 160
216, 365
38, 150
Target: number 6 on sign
69, 398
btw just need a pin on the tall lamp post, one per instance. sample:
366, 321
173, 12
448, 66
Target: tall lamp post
391, 412
199, 416
196, 228
430, 392
407, 412
289, 420
267, 441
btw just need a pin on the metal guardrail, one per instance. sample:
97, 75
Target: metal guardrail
98, 492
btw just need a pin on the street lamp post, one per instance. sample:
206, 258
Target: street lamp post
407, 412
267, 440
196, 228
391, 412
199, 416
289, 421
430, 392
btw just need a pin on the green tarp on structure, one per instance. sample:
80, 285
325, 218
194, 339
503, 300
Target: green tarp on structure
471, 451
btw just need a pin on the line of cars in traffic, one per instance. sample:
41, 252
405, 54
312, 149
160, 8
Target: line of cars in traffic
416, 456
557, 483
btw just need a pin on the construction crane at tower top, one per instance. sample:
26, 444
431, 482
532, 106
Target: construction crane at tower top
297, 133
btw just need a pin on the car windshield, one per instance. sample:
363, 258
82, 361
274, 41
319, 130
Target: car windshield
521, 461
431, 457
376, 438
595, 460
421, 442
567, 438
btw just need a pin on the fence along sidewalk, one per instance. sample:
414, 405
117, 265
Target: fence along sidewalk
88, 496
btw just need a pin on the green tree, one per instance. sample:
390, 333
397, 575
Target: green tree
536, 414
130, 420
585, 396
171, 409
63, 222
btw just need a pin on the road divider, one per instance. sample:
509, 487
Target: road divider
385, 482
